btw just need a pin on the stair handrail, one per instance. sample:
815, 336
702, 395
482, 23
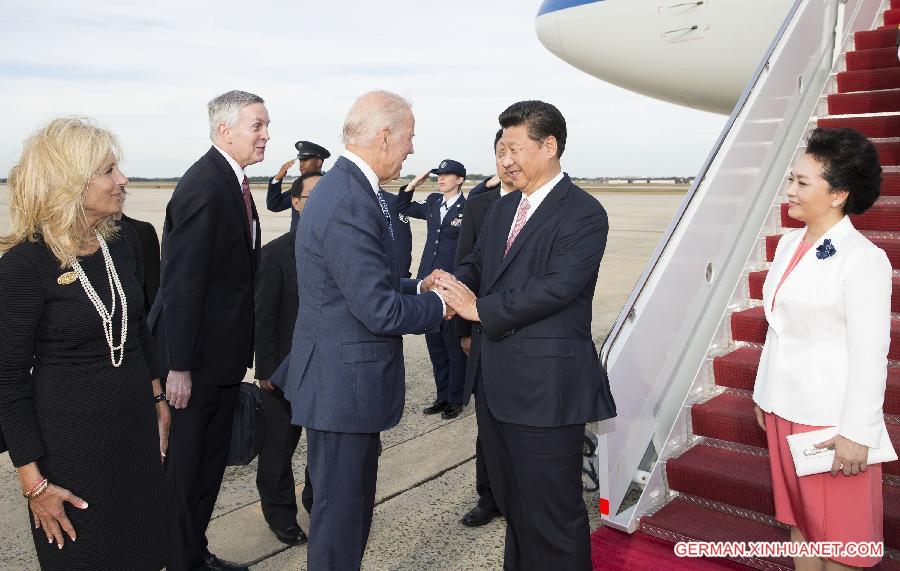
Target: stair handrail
628, 309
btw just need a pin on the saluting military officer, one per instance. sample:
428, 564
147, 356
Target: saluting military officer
443, 212
311, 157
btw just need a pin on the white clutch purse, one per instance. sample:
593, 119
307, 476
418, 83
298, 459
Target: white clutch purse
811, 460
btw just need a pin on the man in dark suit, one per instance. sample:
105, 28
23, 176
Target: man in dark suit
345, 376
276, 312
203, 316
443, 214
147, 238
473, 221
535, 268
145, 235
311, 157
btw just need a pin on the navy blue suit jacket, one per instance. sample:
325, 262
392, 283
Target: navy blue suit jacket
539, 363
345, 372
402, 234
440, 243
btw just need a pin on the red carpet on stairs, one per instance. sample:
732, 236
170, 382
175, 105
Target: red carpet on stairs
613, 550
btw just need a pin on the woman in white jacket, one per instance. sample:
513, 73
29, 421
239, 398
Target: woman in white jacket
827, 299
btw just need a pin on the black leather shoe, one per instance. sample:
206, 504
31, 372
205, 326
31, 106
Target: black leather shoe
435, 407
477, 517
452, 411
213, 563
290, 535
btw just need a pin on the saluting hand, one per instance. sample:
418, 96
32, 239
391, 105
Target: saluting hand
282, 172
418, 180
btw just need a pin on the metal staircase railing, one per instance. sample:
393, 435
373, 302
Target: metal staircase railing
660, 340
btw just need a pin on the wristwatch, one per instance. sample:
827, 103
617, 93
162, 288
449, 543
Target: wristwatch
159, 398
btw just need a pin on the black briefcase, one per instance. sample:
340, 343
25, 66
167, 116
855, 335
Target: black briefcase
248, 428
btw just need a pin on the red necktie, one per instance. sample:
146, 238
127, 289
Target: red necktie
245, 190
518, 224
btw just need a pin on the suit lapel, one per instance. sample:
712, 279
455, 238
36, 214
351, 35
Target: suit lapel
236, 192
347, 164
545, 210
506, 211
456, 210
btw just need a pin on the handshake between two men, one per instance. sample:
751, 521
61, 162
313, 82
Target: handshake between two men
459, 298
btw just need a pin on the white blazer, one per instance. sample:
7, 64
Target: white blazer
825, 358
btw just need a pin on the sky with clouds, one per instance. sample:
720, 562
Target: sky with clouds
146, 70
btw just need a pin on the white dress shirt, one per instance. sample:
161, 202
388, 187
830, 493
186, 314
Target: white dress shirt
535, 199
239, 173
446, 206
365, 168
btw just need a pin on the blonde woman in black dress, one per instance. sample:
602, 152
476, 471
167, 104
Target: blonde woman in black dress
81, 407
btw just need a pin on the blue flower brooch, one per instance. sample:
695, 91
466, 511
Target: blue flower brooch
825, 250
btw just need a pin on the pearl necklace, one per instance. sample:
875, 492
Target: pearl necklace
106, 316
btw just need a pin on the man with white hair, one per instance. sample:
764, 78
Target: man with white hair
203, 315
345, 375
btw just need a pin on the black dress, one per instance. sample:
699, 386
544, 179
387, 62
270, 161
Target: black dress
91, 427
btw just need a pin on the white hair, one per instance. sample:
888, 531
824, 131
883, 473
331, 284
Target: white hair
226, 108
372, 112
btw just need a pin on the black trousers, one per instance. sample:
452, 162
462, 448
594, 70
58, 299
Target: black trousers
535, 476
448, 362
198, 449
344, 467
274, 470
482, 481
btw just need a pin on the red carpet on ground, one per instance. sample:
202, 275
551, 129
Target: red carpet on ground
612, 550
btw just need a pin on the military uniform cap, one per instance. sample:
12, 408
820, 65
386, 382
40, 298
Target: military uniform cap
306, 149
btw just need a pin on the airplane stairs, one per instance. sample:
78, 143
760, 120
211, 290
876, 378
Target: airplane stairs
720, 484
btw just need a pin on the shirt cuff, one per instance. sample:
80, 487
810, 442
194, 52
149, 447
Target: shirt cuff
275, 180
443, 303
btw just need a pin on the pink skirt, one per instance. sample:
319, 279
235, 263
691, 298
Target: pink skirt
824, 507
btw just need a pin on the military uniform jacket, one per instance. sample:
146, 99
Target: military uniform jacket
440, 244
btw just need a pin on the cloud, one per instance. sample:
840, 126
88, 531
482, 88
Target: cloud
146, 71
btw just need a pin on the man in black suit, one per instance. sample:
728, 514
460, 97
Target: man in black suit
311, 158
535, 268
145, 234
473, 221
203, 316
276, 300
147, 238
